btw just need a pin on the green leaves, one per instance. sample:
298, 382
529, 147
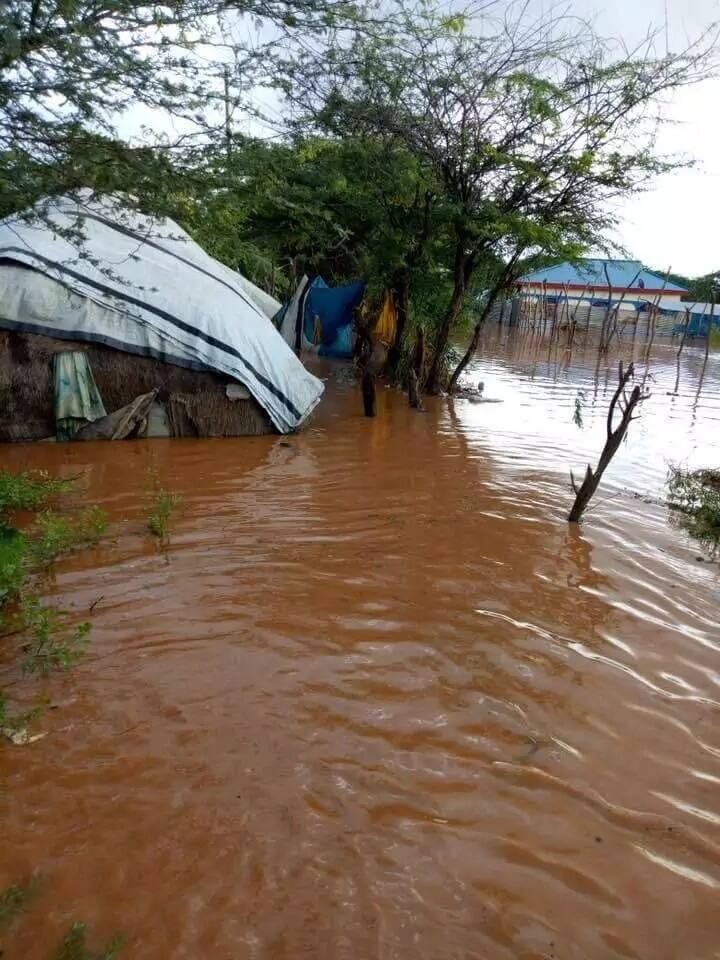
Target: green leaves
453, 24
29, 490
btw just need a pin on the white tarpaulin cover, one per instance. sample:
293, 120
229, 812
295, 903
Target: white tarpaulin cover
269, 305
145, 287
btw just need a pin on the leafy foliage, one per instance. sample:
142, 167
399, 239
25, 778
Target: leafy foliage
68, 70
12, 567
162, 505
29, 490
696, 497
50, 638
54, 534
54, 642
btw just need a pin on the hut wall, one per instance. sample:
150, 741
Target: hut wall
197, 401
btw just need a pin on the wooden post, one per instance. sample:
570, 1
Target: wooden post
368, 393
364, 351
415, 376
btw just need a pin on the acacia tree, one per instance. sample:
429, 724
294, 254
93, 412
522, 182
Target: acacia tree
344, 208
527, 124
69, 70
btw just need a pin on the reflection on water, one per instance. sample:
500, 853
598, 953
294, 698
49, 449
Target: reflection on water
382, 702
539, 385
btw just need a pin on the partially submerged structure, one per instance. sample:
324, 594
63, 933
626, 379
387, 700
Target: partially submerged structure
321, 319
696, 319
147, 315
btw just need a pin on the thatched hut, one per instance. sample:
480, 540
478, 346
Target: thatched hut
143, 312
196, 402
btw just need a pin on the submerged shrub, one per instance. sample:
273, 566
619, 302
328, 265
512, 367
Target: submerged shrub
164, 503
55, 534
695, 495
53, 643
29, 490
12, 565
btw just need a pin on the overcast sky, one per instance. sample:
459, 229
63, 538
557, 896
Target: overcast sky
676, 223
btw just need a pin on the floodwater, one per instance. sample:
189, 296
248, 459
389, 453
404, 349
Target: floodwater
378, 701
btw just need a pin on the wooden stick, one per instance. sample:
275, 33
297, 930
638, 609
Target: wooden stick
614, 437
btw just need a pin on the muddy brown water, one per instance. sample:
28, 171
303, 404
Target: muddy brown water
378, 700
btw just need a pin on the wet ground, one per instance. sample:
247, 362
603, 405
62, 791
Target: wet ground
378, 700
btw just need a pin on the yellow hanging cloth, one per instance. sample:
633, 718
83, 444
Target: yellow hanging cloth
387, 321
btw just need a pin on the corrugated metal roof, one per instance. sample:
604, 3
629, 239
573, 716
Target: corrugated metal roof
622, 274
701, 309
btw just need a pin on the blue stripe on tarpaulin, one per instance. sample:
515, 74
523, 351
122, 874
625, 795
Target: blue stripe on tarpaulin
334, 307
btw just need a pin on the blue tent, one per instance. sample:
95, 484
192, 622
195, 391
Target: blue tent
321, 318
698, 326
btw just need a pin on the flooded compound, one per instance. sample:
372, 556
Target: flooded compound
377, 700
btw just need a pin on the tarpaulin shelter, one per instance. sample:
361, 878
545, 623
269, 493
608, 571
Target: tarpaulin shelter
94, 271
698, 317
321, 318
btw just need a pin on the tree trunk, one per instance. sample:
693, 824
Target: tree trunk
414, 395
415, 376
451, 314
472, 349
401, 286
368, 393
419, 356
364, 345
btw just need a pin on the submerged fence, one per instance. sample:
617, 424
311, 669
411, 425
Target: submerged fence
538, 313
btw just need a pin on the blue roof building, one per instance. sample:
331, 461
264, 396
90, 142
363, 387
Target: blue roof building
587, 279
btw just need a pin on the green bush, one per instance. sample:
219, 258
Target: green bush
695, 495
49, 639
53, 642
29, 490
163, 504
12, 566
54, 534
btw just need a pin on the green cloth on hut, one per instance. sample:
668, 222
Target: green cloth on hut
77, 400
